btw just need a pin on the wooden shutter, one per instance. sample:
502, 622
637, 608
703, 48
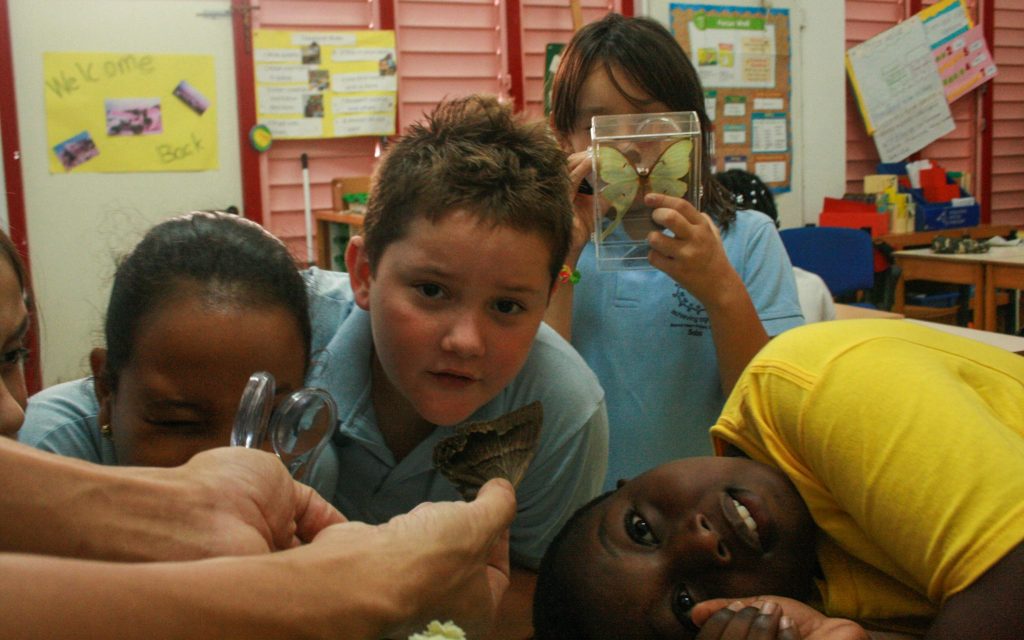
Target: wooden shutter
1007, 164
960, 150
864, 20
998, 170
280, 170
550, 21
448, 48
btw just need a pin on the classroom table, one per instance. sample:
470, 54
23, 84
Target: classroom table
853, 312
1004, 270
911, 239
1000, 267
1014, 344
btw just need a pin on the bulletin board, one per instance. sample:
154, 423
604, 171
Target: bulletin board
326, 84
130, 112
742, 55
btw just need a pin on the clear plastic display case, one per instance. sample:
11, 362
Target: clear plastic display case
634, 155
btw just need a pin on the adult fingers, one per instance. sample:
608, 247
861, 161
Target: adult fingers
313, 513
499, 570
495, 504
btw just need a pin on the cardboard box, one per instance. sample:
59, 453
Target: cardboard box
877, 224
943, 215
880, 183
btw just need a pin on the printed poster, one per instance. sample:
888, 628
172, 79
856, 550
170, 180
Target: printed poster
331, 84
958, 47
905, 77
898, 91
742, 56
130, 112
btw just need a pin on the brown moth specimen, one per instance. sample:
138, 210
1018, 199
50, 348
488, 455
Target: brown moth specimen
500, 448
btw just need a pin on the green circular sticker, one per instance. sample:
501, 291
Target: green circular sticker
260, 138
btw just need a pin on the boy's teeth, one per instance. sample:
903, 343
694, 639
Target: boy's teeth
745, 514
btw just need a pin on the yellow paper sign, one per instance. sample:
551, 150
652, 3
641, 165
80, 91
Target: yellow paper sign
130, 112
329, 84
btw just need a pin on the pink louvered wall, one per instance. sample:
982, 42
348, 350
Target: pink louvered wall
1008, 114
864, 20
280, 168
547, 21
961, 149
455, 47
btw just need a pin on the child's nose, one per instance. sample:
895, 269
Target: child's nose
699, 545
464, 336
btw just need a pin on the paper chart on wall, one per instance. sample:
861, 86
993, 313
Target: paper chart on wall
733, 50
958, 45
130, 112
964, 63
899, 90
326, 84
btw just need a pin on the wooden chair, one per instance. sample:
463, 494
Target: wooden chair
326, 220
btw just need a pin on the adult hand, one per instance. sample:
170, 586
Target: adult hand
580, 167
721, 617
443, 561
234, 501
695, 257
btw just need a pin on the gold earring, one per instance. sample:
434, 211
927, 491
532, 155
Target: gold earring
106, 431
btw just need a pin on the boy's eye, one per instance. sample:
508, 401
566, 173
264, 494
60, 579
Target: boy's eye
15, 356
430, 290
682, 604
639, 530
508, 307
178, 425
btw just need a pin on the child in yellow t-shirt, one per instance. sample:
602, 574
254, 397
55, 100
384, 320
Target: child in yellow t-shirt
874, 469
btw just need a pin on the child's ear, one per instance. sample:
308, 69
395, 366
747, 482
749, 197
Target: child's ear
565, 143
101, 383
358, 265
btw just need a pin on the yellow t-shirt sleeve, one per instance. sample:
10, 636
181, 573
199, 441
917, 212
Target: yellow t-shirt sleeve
908, 450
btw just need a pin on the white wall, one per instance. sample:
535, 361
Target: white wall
818, 115
78, 223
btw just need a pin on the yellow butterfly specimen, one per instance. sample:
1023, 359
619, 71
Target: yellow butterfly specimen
623, 180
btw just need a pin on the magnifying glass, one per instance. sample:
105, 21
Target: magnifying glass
298, 429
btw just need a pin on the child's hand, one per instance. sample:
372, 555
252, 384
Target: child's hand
695, 258
580, 166
758, 620
787, 619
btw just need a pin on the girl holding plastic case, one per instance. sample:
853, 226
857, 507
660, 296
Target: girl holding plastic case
634, 155
677, 289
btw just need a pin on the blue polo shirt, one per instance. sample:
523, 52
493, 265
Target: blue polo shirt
567, 470
649, 342
63, 419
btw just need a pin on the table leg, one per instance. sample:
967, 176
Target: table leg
899, 294
988, 299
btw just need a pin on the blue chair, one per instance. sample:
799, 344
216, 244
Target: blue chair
844, 258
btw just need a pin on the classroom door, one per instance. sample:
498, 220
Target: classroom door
80, 222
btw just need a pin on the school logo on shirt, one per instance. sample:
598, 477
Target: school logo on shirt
689, 313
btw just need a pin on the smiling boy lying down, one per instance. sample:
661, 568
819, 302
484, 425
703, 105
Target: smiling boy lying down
873, 469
